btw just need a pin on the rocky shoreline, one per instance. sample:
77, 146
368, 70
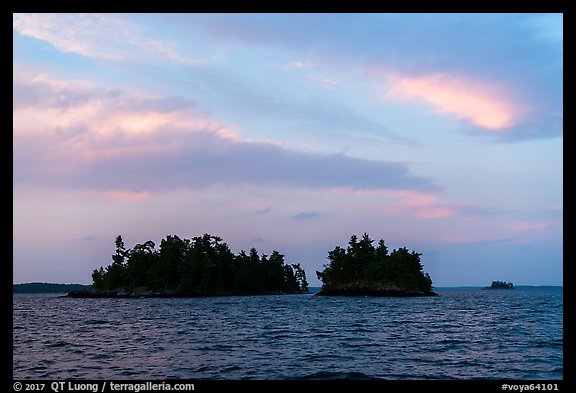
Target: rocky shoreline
359, 289
145, 293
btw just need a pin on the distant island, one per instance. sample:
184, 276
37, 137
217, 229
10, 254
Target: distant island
200, 266
362, 269
500, 285
44, 287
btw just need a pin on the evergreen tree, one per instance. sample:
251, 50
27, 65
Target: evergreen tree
201, 265
300, 277
362, 265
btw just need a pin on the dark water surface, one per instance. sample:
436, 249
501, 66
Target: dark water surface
462, 334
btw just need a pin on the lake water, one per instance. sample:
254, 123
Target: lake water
461, 334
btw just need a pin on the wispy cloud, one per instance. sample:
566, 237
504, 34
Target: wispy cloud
310, 113
547, 27
263, 211
506, 80
480, 103
301, 64
124, 195
529, 226
307, 215
101, 36
423, 204
464, 238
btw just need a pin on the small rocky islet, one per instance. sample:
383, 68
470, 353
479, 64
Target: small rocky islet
500, 285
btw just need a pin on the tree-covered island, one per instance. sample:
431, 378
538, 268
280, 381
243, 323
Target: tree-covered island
363, 269
500, 285
46, 287
200, 266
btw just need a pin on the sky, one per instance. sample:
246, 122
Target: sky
441, 133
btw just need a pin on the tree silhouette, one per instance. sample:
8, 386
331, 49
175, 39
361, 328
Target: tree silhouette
501, 285
363, 268
202, 265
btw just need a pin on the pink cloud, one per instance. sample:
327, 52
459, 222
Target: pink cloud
529, 226
131, 196
301, 64
326, 81
79, 135
102, 36
482, 103
421, 204
435, 213
84, 123
463, 238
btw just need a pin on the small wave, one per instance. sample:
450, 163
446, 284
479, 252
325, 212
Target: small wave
59, 344
221, 347
364, 330
318, 357
128, 373
465, 363
100, 356
201, 369
221, 303
97, 322
38, 368
557, 343
322, 334
337, 375
279, 336
230, 369
361, 345
405, 321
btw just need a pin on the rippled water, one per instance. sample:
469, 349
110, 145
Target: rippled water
462, 334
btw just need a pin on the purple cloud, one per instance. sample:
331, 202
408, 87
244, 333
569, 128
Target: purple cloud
111, 140
307, 215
